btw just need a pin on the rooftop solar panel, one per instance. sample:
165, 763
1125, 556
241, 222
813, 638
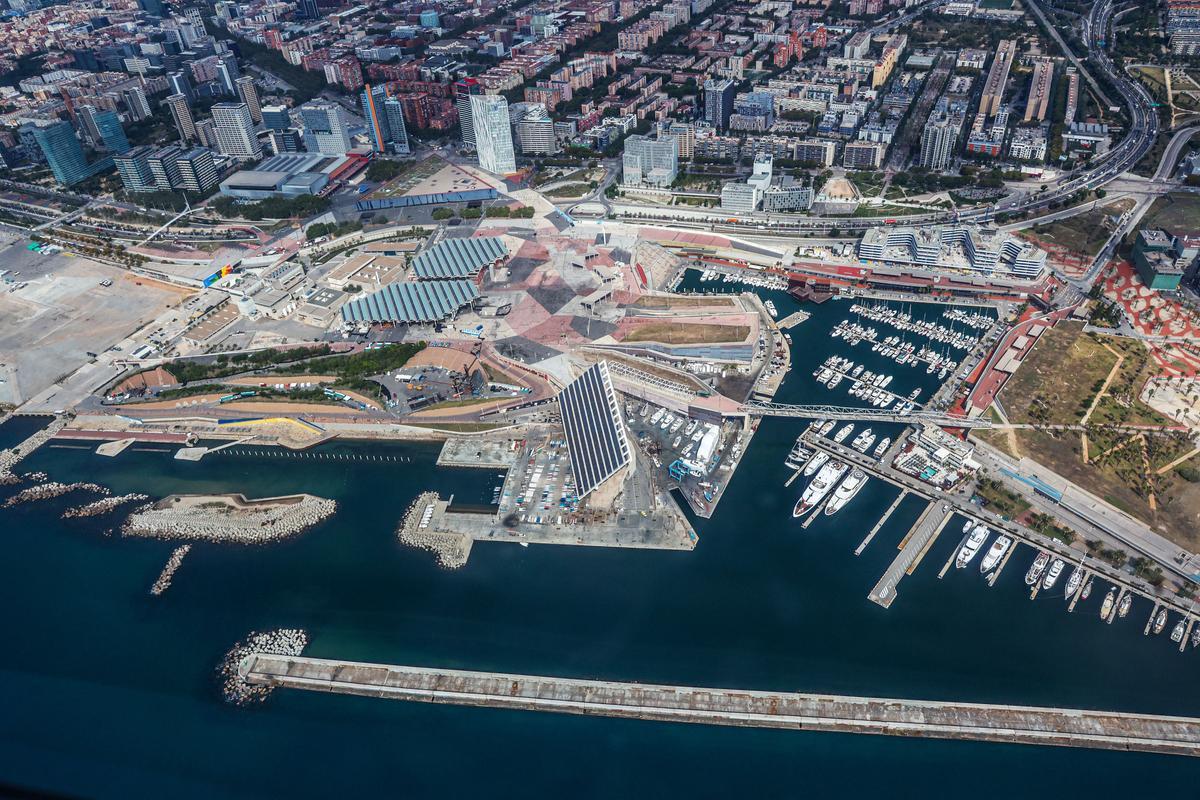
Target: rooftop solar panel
595, 433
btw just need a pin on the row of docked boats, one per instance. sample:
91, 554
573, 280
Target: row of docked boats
972, 319
887, 315
758, 279
1047, 570
864, 384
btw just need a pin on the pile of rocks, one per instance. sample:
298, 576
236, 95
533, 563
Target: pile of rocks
452, 549
219, 521
46, 491
168, 573
280, 642
104, 505
11, 457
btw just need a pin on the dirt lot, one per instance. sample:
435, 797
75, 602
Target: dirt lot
1058, 380
684, 333
1177, 515
1083, 234
1173, 212
659, 302
63, 313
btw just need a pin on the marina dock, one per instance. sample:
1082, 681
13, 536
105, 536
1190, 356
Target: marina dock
886, 515
736, 707
918, 540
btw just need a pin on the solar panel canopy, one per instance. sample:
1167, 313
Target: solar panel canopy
411, 302
595, 433
458, 258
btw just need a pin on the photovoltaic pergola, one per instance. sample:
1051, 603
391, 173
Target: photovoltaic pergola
596, 437
458, 258
417, 302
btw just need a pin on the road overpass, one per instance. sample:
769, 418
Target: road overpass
735, 707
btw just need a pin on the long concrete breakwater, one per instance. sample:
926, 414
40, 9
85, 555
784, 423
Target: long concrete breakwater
735, 707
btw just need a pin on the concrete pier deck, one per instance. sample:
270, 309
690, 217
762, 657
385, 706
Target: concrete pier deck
918, 540
740, 707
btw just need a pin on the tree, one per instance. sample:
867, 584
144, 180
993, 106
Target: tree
441, 212
383, 170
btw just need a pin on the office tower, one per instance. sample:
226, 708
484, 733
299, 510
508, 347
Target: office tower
325, 130
181, 85
535, 132
385, 121
235, 131
181, 112
134, 169
248, 93
276, 118
206, 133
227, 73
493, 134
718, 102
152, 7
64, 154
162, 164
112, 135
650, 162
307, 9
136, 103
287, 140
685, 134
430, 19
463, 91
938, 140
85, 118
197, 170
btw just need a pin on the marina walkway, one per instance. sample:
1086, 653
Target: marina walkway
787, 710
926, 529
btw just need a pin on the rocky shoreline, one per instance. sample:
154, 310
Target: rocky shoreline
279, 642
451, 549
168, 573
11, 457
221, 518
52, 489
103, 506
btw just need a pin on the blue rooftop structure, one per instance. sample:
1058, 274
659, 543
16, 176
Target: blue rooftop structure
411, 302
458, 258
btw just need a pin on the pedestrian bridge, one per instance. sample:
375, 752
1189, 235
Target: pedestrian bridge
739, 707
764, 409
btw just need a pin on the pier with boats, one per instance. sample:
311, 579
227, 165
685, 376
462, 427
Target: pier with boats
821, 455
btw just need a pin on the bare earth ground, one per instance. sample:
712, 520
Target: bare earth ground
1065, 370
1178, 513
664, 302
684, 333
50, 325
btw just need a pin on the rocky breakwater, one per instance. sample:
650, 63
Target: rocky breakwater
279, 642
51, 489
229, 518
11, 457
103, 505
452, 549
168, 573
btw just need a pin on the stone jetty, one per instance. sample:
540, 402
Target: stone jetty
281, 642
51, 489
103, 505
229, 518
11, 457
168, 572
452, 549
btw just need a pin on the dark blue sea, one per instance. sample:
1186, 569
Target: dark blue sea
106, 691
